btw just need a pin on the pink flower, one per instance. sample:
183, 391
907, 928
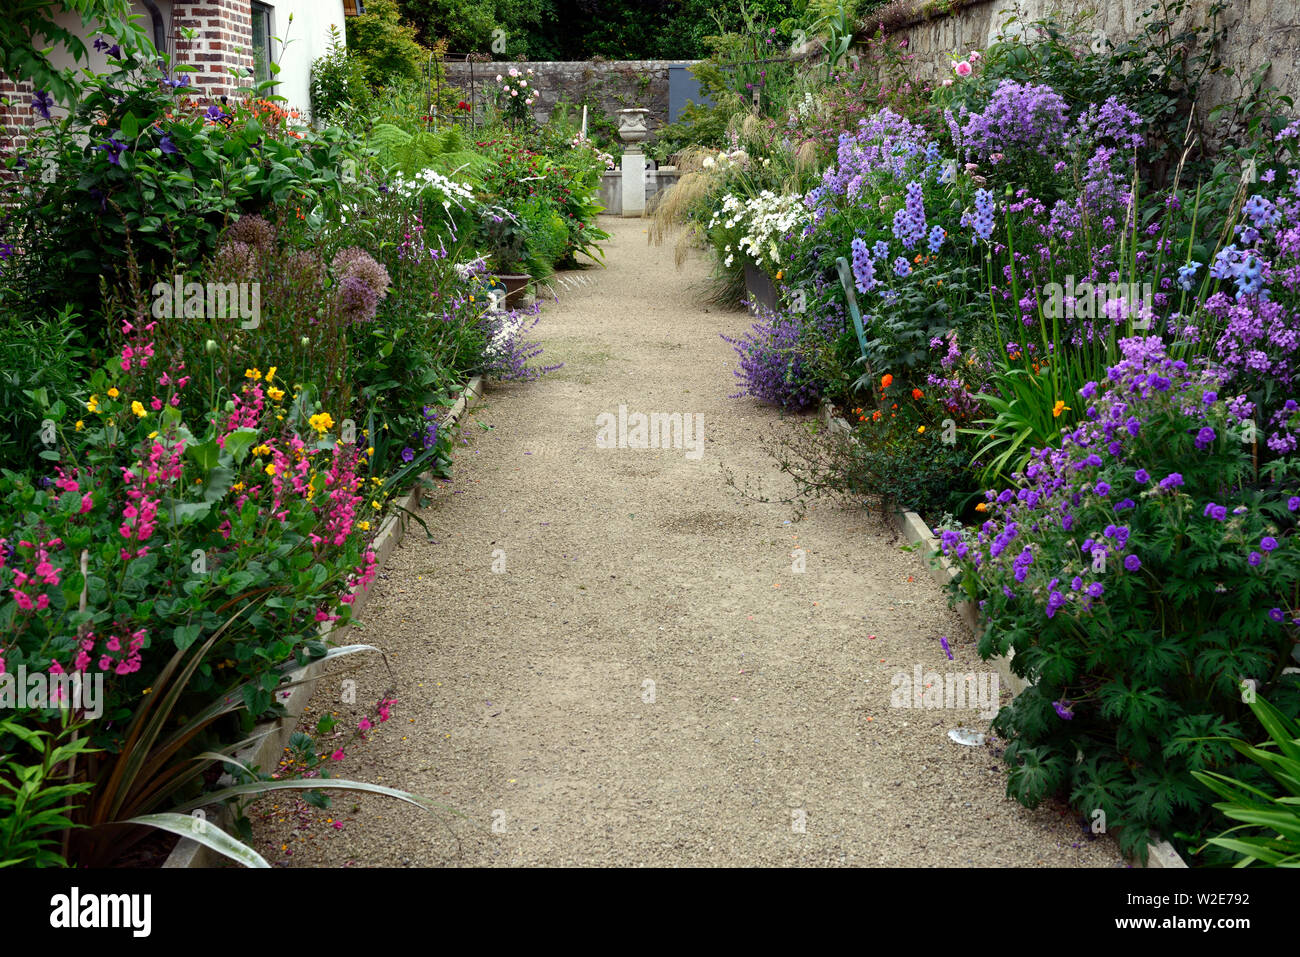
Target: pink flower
87, 503
963, 68
364, 724
337, 755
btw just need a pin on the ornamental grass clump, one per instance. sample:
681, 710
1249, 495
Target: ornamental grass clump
1147, 579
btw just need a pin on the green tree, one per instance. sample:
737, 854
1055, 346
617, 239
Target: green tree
385, 45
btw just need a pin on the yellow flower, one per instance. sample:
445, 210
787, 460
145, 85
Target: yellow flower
1059, 408
113, 393
275, 394
138, 408
921, 430
237, 487
80, 425
322, 422
92, 405
262, 450
270, 469
270, 373
375, 504
253, 374
153, 434
371, 451
364, 526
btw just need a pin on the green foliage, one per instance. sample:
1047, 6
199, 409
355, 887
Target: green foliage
385, 46
33, 804
41, 359
339, 89
1269, 832
22, 58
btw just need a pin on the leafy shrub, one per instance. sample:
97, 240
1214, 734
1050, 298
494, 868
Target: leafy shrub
144, 176
1140, 573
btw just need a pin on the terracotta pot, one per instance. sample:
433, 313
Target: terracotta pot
516, 287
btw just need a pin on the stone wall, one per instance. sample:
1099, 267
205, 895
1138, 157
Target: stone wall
612, 85
1259, 31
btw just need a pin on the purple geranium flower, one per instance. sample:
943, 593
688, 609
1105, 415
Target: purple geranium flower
1132, 563
1063, 710
1268, 543
1255, 558
1217, 512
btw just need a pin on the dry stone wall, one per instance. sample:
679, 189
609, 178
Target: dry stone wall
611, 85
1258, 32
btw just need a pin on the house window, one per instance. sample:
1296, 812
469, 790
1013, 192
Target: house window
353, 7
261, 42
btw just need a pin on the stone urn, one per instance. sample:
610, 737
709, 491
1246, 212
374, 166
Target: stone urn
632, 127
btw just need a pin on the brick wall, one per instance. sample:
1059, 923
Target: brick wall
225, 40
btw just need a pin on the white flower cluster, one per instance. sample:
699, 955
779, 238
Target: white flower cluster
765, 219
723, 160
428, 179
579, 141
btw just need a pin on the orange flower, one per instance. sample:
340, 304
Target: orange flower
917, 394
982, 507
886, 381
875, 416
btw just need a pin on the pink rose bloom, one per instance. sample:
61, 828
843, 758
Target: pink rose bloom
963, 68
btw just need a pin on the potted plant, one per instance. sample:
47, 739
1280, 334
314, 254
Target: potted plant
506, 238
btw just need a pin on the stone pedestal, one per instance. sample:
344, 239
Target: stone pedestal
633, 184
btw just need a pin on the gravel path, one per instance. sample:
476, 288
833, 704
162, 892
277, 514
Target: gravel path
524, 697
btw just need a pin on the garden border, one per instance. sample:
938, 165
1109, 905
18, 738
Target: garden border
1160, 853
275, 734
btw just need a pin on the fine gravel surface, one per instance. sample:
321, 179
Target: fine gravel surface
606, 657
